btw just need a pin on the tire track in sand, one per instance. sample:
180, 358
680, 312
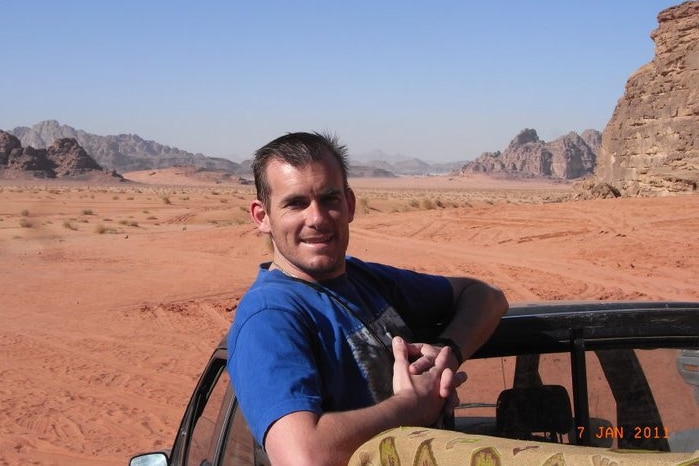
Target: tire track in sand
590, 281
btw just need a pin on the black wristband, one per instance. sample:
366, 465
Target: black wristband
454, 348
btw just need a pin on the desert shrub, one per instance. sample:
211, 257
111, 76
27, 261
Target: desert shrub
101, 229
25, 223
166, 200
129, 223
24, 213
364, 205
87, 212
69, 226
426, 204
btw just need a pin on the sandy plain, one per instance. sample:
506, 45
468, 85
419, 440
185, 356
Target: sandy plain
113, 296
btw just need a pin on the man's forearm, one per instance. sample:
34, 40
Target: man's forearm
333, 437
478, 309
418, 399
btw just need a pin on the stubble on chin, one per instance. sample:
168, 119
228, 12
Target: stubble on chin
323, 269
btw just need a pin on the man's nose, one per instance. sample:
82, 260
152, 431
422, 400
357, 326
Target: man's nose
316, 214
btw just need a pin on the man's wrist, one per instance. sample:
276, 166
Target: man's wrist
455, 350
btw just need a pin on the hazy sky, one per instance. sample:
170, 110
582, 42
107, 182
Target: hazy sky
439, 80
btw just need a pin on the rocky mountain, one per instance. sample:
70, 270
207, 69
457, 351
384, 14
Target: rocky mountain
651, 144
65, 158
123, 152
129, 152
569, 157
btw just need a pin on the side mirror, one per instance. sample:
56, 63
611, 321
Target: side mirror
149, 459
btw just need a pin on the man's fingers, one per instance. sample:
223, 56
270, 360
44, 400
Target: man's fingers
421, 357
415, 350
430, 357
400, 350
424, 363
445, 383
401, 374
441, 362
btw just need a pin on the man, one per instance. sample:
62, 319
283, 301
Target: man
327, 351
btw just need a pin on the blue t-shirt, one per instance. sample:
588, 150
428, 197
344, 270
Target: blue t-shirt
296, 346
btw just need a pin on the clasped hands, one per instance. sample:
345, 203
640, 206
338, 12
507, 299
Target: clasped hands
429, 374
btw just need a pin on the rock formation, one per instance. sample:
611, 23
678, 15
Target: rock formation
569, 157
130, 152
651, 144
65, 158
123, 152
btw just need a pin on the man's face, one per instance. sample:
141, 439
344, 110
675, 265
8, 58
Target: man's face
307, 218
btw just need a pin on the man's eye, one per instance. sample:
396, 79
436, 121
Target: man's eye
331, 199
296, 204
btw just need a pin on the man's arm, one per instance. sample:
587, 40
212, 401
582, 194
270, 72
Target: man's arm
303, 438
478, 308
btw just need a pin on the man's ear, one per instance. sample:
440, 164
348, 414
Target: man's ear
351, 203
259, 216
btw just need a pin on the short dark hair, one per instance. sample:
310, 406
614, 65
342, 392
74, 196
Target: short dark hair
296, 149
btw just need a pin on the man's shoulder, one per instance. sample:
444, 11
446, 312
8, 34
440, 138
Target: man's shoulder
274, 286
355, 265
372, 271
273, 291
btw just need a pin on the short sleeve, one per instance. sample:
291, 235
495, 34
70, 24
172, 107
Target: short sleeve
272, 368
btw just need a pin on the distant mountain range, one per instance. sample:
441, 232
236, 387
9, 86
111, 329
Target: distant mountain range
129, 152
123, 152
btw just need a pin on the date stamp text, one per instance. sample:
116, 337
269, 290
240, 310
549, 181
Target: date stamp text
619, 432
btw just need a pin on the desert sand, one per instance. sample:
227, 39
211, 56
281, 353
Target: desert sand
113, 297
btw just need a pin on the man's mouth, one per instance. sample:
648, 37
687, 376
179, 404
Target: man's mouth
318, 239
